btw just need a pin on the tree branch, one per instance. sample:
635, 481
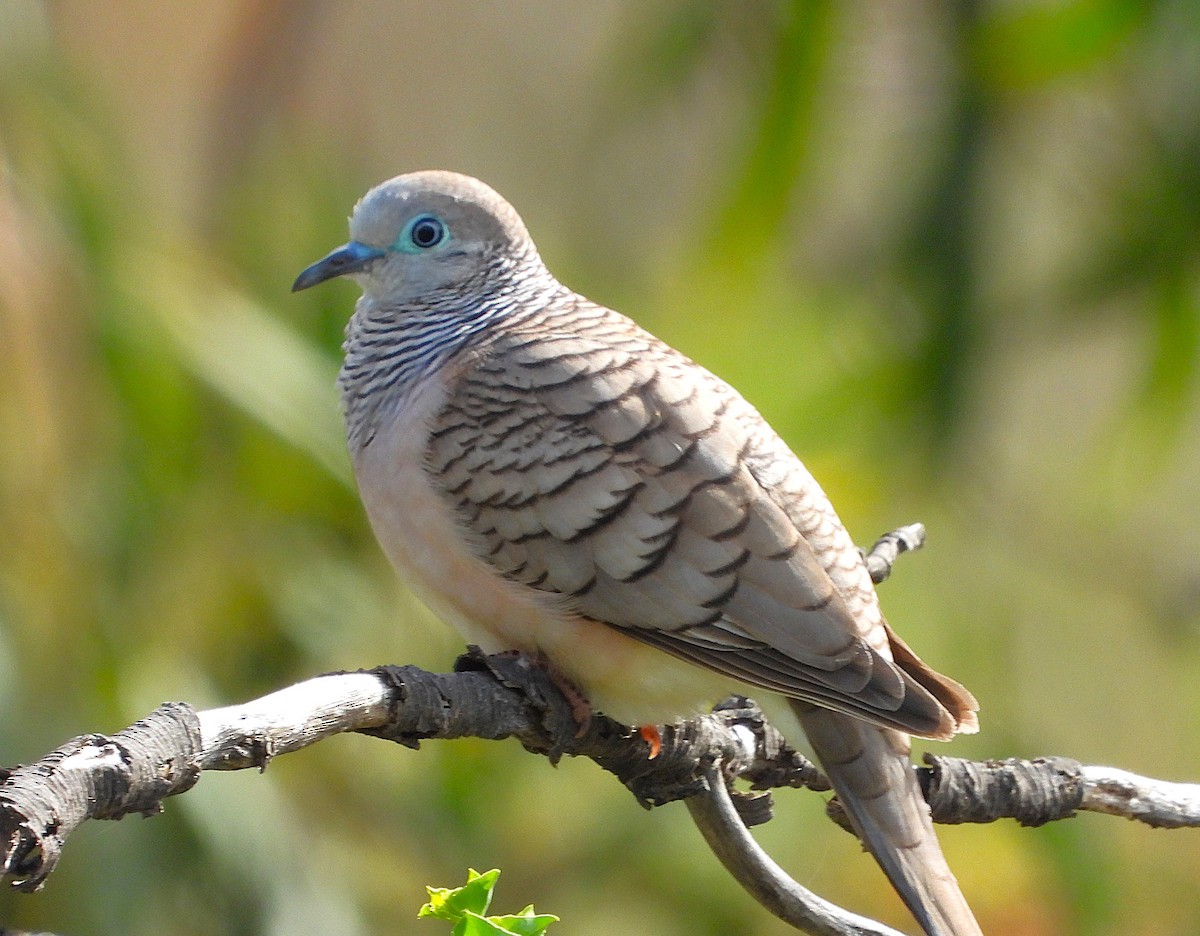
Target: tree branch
106, 777
887, 549
717, 817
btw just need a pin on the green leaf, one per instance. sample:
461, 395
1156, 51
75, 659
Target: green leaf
446, 903
472, 924
465, 907
525, 923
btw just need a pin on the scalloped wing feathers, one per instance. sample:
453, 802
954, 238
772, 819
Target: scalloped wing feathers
588, 459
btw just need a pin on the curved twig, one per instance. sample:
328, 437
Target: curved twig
718, 820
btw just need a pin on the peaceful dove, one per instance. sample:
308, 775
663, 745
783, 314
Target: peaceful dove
550, 478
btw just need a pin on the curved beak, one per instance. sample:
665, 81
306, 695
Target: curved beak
349, 258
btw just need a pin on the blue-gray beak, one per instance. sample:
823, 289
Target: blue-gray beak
349, 258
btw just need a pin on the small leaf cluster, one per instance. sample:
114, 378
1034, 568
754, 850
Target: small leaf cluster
466, 907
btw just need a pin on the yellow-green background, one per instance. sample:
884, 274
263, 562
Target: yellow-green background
949, 249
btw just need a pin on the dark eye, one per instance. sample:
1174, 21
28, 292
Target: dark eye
427, 232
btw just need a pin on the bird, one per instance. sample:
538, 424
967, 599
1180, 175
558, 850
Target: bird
550, 478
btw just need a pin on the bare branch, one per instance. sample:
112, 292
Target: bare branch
95, 776
106, 777
717, 818
1157, 803
882, 556
249, 735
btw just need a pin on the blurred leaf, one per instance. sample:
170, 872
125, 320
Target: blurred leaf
760, 196
1176, 348
938, 262
1147, 248
1025, 45
670, 50
248, 356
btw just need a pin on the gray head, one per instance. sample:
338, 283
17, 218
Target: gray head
424, 232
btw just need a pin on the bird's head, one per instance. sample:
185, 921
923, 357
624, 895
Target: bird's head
423, 232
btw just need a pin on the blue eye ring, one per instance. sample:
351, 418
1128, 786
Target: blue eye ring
422, 233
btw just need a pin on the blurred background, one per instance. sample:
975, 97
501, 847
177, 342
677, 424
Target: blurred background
950, 250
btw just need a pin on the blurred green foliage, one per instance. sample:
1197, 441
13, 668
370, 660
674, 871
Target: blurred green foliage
950, 250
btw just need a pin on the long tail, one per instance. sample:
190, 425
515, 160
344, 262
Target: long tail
870, 770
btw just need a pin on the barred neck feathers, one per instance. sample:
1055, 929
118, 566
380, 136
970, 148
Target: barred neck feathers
443, 262
393, 345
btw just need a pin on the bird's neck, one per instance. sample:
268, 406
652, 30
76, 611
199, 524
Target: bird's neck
392, 348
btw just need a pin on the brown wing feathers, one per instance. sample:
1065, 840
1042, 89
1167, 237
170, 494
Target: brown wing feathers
610, 442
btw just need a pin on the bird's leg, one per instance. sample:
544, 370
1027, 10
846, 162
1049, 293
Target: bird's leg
581, 707
577, 703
